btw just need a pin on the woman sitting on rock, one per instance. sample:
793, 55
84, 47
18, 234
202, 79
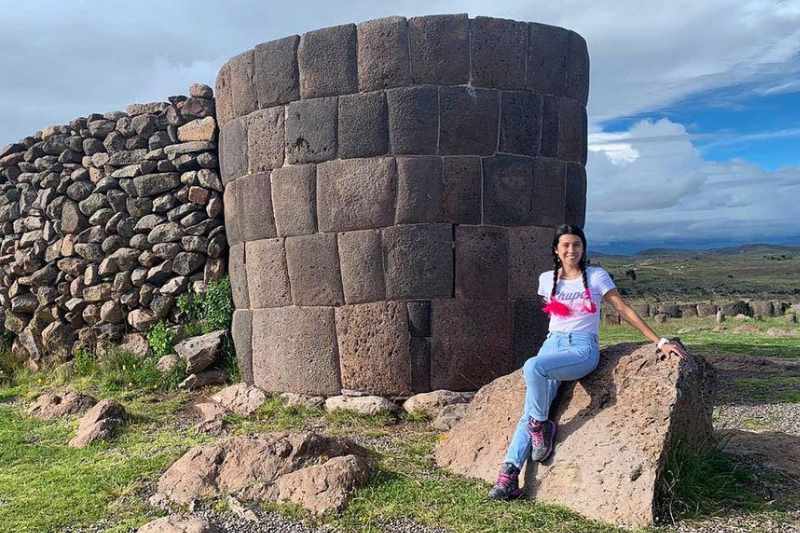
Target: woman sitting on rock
572, 293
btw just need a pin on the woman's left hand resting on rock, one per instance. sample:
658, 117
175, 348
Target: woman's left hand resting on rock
625, 311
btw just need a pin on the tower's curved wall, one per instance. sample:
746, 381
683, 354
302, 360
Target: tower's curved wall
390, 193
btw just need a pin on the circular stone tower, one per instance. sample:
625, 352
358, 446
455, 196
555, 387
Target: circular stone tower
391, 189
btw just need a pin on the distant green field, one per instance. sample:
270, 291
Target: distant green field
762, 272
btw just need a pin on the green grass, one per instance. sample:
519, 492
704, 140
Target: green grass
699, 335
775, 389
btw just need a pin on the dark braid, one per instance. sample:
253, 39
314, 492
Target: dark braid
585, 277
556, 265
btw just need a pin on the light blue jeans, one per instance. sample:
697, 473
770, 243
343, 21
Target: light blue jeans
562, 357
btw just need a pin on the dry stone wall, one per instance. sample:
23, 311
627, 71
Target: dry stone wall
105, 221
390, 193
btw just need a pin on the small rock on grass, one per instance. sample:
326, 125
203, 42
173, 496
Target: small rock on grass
290, 399
49, 405
242, 399
204, 379
178, 524
364, 405
431, 403
98, 423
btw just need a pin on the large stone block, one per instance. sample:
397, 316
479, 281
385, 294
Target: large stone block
418, 261
232, 231
529, 329
327, 61
267, 276
242, 333
254, 205
547, 59
238, 274
313, 262
356, 193
481, 262
363, 125
577, 82
461, 189
265, 139
420, 364
295, 350
361, 266
374, 344
529, 255
413, 120
294, 198
224, 96
508, 190
549, 193
277, 79
419, 190
575, 194
467, 121
383, 54
520, 123
439, 49
471, 343
550, 127
572, 131
233, 149
311, 130
498, 50
243, 89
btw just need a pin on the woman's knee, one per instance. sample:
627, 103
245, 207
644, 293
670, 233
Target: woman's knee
531, 369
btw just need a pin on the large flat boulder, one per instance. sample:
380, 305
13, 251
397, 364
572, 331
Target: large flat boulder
278, 466
50, 404
616, 427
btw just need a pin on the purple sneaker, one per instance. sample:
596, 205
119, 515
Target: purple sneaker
543, 438
507, 485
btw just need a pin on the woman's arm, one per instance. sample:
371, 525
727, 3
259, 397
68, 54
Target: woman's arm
614, 298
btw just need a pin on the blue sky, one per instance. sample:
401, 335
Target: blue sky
693, 106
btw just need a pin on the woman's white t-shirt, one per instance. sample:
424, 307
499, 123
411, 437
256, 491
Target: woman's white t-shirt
570, 293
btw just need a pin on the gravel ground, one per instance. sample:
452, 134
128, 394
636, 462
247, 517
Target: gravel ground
783, 417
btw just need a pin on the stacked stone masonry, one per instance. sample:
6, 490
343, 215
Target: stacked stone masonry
390, 194
105, 221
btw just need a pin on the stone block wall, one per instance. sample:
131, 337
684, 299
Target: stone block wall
105, 221
390, 194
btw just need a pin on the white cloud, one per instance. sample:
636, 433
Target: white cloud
669, 192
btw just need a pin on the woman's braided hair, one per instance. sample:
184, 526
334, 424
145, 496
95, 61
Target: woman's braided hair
567, 229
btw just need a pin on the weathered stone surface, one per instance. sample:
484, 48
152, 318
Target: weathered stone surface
267, 274
432, 403
413, 120
467, 121
49, 405
363, 405
520, 123
572, 131
276, 73
247, 467
324, 487
233, 150
154, 184
224, 96
243, 91
204, 379
361, 266
178, 524
327, 61
418, 261
238, 274
242, 399
304, 361
141, 319
314, 276
439, 49
547, 57
383, 60
98, 423
291, 399
200, 352
449, 416
168, 363
356, 193
419, 190
529, 255
254, 206
482, 262
265, 139
294, 196
577, 78
363, 125
311, 130
471, 344
643, 406
508, 190
575, 209
373, 343
201, 129
498, 49
242, 334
